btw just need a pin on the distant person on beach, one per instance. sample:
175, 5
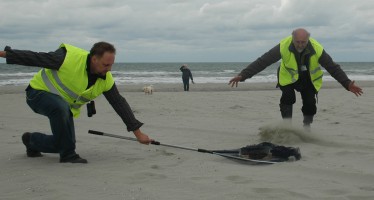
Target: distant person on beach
70, 78
186, 75
301, 57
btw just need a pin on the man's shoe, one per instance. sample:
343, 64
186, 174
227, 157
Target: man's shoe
307, 127
73, 159
26, 141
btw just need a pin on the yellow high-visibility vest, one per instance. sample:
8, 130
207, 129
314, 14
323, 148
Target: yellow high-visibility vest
289, 73
71, 79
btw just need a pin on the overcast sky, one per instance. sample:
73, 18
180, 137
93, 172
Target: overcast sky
188, 30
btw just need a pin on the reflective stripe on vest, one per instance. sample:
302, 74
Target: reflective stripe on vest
318, 69
53, 90
293, 73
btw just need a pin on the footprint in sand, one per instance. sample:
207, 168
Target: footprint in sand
132, 160
351, 153
155, 167
281, 192
238, 179
165, 153
367, 188
236, 107
336, 192
146, 176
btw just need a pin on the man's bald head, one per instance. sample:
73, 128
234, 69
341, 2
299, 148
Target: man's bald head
300, 38
300, 32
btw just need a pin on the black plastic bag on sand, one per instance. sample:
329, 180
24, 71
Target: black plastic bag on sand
267, 150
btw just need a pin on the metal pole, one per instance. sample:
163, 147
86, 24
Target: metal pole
134, 139
219, 153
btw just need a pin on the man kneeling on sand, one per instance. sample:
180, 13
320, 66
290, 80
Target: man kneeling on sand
70, 78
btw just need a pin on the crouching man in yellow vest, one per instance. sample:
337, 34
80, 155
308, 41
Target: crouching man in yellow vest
301, 57
70, 77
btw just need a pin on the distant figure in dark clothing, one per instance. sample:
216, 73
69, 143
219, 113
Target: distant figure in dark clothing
186, 75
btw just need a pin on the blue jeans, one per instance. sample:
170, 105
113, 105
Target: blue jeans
57, 110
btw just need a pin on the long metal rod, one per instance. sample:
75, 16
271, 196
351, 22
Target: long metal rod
134, 139
220, 153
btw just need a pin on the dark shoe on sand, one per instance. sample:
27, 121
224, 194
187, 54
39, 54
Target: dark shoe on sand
73, 159
26, 141
307, 127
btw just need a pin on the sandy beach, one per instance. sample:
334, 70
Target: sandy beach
337, 155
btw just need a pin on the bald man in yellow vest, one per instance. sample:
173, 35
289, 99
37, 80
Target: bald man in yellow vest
70, 78
301, 57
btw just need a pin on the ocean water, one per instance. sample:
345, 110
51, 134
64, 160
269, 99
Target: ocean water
153, 73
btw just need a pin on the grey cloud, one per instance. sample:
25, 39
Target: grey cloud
189, 30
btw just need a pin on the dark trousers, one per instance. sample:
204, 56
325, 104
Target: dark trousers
186, 84
308, 95
57, 110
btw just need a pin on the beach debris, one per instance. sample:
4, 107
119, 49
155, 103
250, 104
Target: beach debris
269, 151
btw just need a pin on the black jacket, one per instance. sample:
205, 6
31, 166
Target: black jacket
186, 73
